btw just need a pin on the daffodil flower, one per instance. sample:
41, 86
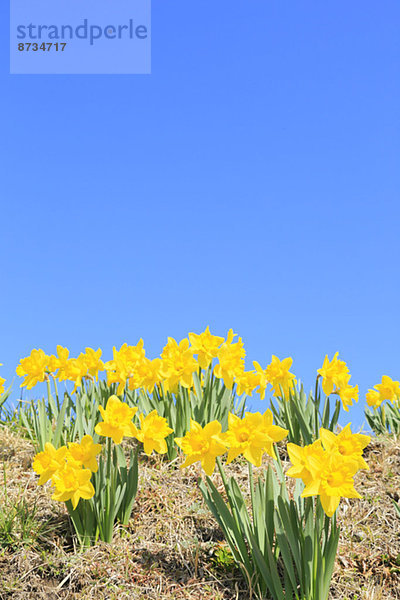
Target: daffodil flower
202, 445
205, 345
33, 368
333, 373
277, 374
46, 463
230, 360
154, 429
252, 436
85, 452
117, 420
72, 483
178, 364
347, 444
333, 481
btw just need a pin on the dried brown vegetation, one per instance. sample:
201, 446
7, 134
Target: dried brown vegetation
172, 548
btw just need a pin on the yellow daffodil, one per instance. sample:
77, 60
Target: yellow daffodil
85, 452
117, 420
147, 374
277, 373
69, 369
122, 367
347, 394
300, 456
75, 370
388, 389
334, 373
119, 370
60, 362
231, 360
202, 444
153, 431
52, 364
205, 345
93, 362
178, 364
251, 436
49, 461
262, 379
274, 432
333, 481
33, 368
347, 444
374, 398
72, 483
247, 382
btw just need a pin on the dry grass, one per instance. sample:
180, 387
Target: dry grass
170, 548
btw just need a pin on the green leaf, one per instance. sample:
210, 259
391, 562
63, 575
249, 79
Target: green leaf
267, 568
60, 424
227, 522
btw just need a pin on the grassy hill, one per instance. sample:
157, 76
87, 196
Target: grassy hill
172, 548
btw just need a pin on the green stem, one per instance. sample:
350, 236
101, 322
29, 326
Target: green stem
76, 519
316, 408
291, 419
108, 527
207, 378
56, 393
251, 485
109, 461
221, 470
334, 526
48, 389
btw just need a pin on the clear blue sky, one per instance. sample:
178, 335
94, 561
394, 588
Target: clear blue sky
252, 181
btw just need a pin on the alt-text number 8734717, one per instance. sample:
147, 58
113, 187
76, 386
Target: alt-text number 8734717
44, 47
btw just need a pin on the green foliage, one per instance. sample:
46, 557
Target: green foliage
385, 419
222, 557
285, 547
304, 416
208, 401
48, 420
115, 485
5, 414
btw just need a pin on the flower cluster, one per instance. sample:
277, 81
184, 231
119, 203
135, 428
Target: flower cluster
230, 360
251, 436
123, 365
386, 390
37, 367
277, 374
69, 469
335, 379
178, 365
327, 467
117, 424
130, 368
206, 346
